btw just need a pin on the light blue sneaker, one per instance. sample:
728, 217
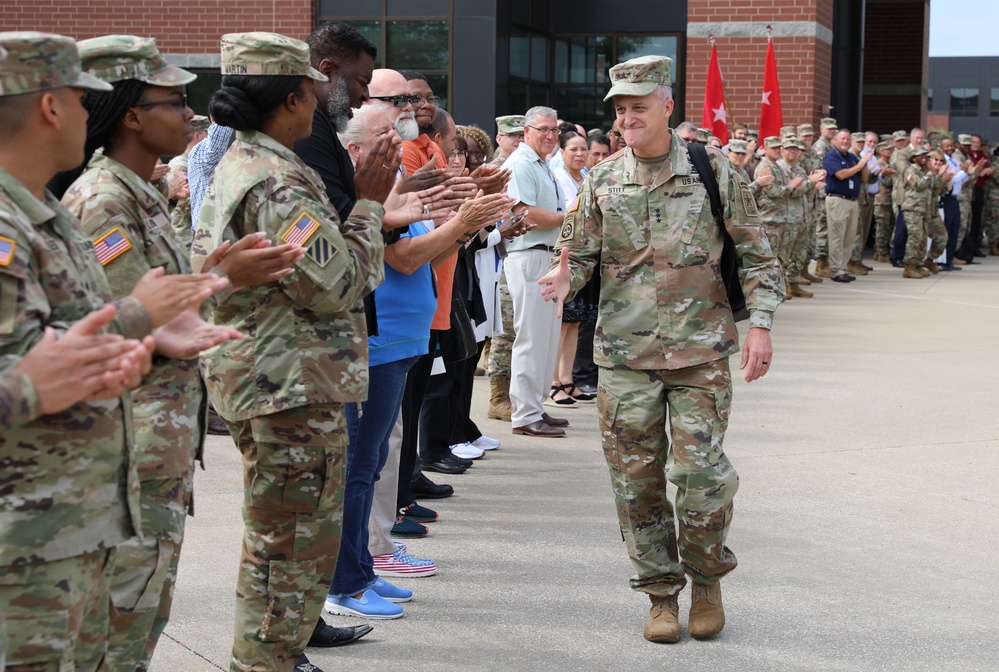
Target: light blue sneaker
369, 605
390, 593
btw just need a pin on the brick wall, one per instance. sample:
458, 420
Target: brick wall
896, 64
196, 30
803, 55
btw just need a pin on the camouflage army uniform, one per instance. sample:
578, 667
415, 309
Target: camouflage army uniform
883, 214
68, 486
19, 402
498, 159
916, 210
991, 214
663, 336
797, 251
282, 389
180, 214
112, 201
772, 204
809, 162
965, 197
819, 150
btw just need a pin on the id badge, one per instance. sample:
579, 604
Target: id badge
850, 183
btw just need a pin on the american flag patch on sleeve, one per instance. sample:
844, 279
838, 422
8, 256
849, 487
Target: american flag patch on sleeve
7, 247
111, 245
300, 232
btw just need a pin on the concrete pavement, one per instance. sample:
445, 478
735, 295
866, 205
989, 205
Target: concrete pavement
866, 525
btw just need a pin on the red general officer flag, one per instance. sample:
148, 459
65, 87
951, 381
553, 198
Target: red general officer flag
771, 118
715, 116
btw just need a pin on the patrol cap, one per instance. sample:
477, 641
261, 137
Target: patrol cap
31, 61
772, 141
919, 151
790, 142
964, 139
805, 129
829, 122
885, 137
200, 122
899, 135
882, 146
510, 124
113, 58
639, 76
258, 53
859, 136
703, 135
753, 135
787, 130
737, 146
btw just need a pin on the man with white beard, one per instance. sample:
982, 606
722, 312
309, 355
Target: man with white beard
390, 91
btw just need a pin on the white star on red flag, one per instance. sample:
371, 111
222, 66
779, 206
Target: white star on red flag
720, 114
766, 97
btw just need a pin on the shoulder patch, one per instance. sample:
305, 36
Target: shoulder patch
748, 200
111, 245
321, 251
7, 247
300, 230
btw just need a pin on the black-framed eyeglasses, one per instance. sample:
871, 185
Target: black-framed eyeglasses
457, 153
545, 131
432, 100
478, 156
179, 103
401, 100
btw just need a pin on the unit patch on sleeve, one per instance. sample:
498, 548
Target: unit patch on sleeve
321, 251
111, 245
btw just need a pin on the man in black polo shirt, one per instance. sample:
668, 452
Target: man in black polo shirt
845, 172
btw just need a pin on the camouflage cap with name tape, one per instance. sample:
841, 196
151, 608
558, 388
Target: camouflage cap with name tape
260, 54
32, 61
510, 124
114, 58
639, 76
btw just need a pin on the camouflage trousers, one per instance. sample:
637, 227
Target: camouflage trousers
501, 348
884, 222
991, 217
821, 228
779, 235
965, 205
293, 480
57, 613
798, 255
636, 410
918, 227
863, 230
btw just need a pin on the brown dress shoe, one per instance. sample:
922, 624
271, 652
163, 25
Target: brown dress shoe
540, 428
553, 422
663, 624
707, 615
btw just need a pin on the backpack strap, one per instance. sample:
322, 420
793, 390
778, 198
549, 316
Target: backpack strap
699, 157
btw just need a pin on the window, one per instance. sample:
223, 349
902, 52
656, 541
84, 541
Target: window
528, 69
201, 90
994, 103
964, 102
929, 99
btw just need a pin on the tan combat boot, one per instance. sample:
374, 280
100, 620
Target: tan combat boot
914, 272
803, 281
931, 266
707, 615
499, 399
822, 267
994, 250
663, 624
795, 290
882, 257
811, 278
856, 268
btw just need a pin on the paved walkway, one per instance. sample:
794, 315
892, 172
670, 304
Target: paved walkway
866, 526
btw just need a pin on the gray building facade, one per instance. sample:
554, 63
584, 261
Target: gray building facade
964, 95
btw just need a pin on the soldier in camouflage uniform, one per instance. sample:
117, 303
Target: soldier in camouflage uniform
509, 135
916, 210
69, 489
180, 214
663, 337
827, 131
884, 221
992, 206
281, 391
772, 201
810, 162
797, 217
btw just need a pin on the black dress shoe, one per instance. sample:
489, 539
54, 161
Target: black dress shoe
897, 263
842, 277
303, 665
326, 635
427, 489
445, 465
554, 422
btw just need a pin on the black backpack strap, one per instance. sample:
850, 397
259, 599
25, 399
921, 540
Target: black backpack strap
699, 157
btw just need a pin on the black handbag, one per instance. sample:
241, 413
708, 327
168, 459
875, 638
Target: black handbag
730, 262
458, 342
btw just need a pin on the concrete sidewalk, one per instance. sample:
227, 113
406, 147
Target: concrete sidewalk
866, 526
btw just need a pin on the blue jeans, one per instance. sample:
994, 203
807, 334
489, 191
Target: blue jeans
366, 454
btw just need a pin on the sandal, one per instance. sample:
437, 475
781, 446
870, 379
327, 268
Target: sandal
564, 389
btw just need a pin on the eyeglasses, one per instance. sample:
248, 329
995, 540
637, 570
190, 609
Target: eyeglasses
400, 100
477, 156
179, 103
456, 153
432, 100
544, 131
617, 133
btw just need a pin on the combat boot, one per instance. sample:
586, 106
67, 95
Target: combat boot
663, 624
811, 278
931, 266
914, 272
707, 615
803, 281
881, 256
795, 290
994, 250
822, 267
499, 399
856, 268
